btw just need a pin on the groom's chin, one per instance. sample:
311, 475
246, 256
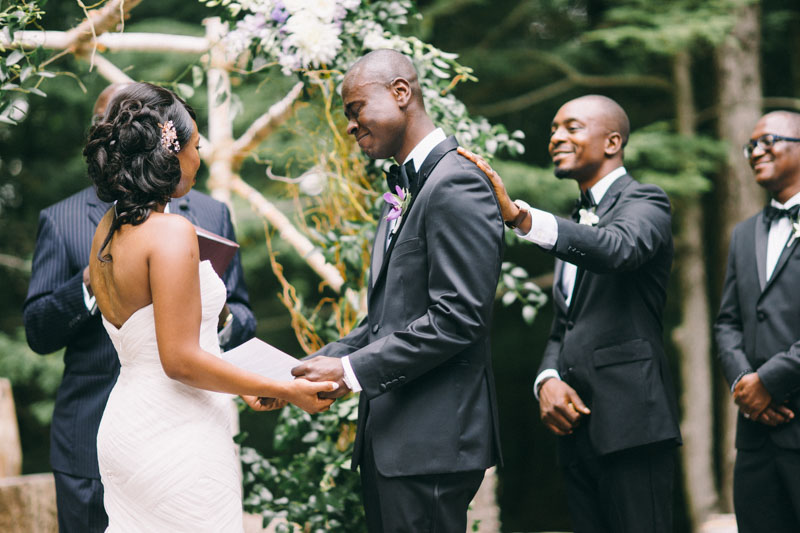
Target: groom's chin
562, 173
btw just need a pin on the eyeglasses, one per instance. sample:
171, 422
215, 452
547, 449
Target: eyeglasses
765, 142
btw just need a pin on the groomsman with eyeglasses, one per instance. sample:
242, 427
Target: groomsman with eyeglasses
758, 334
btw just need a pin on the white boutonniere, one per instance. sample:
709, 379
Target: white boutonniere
795, 232
588, 217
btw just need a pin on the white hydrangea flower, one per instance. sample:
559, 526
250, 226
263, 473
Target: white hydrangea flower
325, 10
315, 43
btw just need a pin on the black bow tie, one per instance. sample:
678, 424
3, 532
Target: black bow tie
404, 177
772, 213
586, 201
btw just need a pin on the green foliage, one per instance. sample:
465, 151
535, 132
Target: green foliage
666, 27
21, 71
516, 286
309, 482
682, 166
34, 378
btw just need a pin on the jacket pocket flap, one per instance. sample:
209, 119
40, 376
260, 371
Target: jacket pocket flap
406, 246
626, 352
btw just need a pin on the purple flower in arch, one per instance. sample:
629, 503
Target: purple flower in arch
279, 13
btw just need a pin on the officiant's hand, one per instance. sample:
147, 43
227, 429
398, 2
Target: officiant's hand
560, 407
508, 209
264, 404
323, 368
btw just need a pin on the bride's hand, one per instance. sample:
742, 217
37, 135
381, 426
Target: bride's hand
264, 404
303, 394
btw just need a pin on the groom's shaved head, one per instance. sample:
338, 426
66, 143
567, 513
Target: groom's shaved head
384, 67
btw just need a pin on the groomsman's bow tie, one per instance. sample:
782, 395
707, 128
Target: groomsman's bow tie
586, 201
772, 213
405, 177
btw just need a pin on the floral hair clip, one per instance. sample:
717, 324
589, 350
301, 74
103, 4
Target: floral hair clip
169, 137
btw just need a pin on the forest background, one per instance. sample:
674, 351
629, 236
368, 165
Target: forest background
694, 76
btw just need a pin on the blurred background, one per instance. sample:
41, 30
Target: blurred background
693, 75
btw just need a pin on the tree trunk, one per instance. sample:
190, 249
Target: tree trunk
692, 335
738, 196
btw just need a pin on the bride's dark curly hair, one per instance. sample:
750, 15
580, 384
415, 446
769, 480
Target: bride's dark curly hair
126, 159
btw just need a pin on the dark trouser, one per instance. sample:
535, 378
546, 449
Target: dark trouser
80, 504
766, 490
435, 503
624, 492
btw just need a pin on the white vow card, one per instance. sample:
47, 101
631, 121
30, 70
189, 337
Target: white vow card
259, 357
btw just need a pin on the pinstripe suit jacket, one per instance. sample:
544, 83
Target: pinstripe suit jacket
55, 316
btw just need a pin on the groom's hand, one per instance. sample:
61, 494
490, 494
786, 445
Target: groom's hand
560, 407
323, 368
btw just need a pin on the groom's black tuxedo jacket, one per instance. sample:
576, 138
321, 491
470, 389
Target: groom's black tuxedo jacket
607, 344
758, 328
55, 316
422, 354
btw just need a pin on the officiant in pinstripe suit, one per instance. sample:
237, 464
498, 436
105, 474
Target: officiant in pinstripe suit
59, 312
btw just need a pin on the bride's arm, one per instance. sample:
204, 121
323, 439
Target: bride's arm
175, 288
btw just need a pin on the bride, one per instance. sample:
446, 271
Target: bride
167, 459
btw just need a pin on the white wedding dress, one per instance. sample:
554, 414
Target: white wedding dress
167, 458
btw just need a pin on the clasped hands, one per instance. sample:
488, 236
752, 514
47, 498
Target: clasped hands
755, 402
318, 369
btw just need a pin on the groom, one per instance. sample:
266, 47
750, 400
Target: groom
427, 426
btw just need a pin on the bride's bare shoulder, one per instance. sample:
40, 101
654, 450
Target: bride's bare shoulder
170, 234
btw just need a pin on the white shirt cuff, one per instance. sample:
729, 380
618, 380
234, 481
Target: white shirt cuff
549, 373
544, 229
350, 378
89, 301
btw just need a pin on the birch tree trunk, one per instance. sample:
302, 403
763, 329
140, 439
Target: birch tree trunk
738, 196
692, 336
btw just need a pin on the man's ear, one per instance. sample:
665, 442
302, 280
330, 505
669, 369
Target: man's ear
401, 90
613, 144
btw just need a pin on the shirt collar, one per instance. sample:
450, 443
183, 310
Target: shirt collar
600, 188
424, 147
794, 200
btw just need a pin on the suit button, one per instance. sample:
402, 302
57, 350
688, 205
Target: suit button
761, 316
570, 370
382, 387
375, 328
402, 379
570, 324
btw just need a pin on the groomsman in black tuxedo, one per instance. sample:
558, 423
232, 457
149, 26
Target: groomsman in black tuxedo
758, 334
427, 425
59, 312
603, 384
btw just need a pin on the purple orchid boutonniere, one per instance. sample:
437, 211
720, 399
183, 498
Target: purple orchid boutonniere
399, 203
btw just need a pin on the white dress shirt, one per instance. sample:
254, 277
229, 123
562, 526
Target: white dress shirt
418, 155
544, 232
779, 233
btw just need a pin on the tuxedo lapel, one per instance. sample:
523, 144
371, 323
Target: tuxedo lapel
606, 204
558, 294
425, 170
612, 195
761, 238
379, 247
786, 253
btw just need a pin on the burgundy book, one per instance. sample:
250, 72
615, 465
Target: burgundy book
216, 249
